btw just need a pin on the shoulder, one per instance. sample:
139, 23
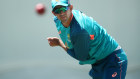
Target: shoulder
77, 13
82, 18
55, 19
57, 23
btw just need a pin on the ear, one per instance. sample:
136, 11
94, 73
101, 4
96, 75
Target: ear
71, 7
53, 13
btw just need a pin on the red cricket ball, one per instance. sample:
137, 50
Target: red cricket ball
40, 8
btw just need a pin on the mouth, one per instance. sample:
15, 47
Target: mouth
63, 17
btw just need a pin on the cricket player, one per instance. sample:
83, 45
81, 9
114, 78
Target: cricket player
88, 42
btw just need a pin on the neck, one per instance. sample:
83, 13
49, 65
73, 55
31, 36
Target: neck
66, 24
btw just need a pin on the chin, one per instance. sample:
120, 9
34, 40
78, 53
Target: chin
64, 20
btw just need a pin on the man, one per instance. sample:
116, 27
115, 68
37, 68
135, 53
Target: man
85, 40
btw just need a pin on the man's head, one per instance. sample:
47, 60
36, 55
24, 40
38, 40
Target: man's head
62, 9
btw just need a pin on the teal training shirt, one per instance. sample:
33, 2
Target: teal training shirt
85, 39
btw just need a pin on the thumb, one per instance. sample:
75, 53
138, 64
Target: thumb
49, 38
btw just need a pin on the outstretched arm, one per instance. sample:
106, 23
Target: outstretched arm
81, 46
54, 41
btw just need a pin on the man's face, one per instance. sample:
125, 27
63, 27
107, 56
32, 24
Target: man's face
63, 14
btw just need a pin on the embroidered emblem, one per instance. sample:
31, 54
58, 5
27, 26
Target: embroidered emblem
114, 74
59, 32
68, 35
91, 37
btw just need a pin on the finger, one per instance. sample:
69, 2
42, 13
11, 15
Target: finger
49, 38
51, 43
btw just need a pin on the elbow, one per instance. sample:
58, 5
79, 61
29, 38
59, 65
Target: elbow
82, 58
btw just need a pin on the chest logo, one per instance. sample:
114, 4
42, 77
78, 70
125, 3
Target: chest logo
59, 32
91, 37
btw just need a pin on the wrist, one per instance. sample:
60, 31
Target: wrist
61, 44
64, 47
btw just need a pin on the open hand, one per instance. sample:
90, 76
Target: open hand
54, 41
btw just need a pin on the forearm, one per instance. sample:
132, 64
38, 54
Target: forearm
61, 44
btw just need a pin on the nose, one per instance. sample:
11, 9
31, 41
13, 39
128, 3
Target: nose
61, 13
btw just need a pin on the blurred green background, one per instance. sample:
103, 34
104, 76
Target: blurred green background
26, 54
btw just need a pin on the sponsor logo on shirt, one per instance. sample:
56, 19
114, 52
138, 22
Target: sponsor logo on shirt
114, 74
59, 32
91, 37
